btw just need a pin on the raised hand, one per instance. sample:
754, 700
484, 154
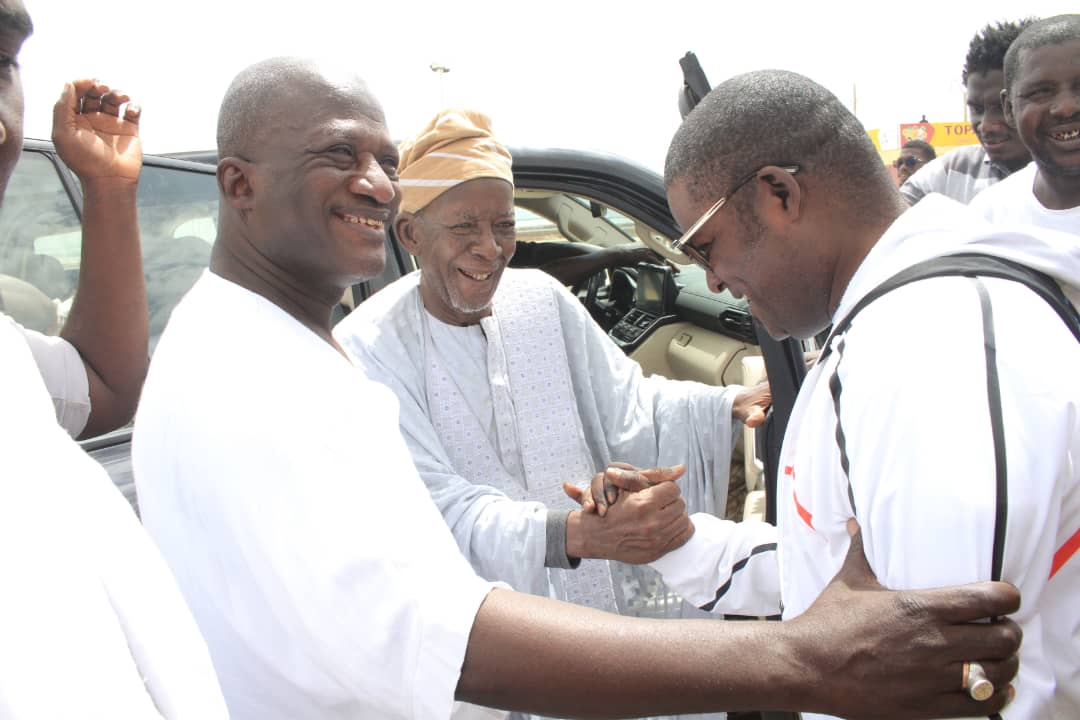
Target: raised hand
96, 132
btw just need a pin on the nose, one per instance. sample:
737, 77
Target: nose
371, 179
715, 283
1066, 104
484, 244
991, 121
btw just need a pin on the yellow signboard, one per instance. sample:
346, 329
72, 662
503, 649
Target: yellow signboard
946, 134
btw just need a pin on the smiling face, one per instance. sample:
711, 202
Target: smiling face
1001, 143
15, 27
1044, 107
463, 241
326, 186
784, 280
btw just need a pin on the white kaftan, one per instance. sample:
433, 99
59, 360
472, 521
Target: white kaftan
498, 415
273, 476
539, 386
92, 624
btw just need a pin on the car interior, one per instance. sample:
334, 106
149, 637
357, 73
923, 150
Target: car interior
662, 314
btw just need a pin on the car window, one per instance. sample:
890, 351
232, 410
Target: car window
554, 225
39, 245
178, 224
533, 228
41, 240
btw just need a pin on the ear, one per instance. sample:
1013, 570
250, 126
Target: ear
234, 177
784, 194
407, 232
1007, 109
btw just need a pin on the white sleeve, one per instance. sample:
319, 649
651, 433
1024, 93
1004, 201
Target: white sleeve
726, 567
921, 450
62, 369
503, 539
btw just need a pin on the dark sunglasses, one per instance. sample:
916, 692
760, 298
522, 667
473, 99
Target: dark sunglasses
700, 255
910, 161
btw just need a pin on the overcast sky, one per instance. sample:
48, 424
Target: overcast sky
595, 74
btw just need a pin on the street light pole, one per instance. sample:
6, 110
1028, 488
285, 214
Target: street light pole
441, 70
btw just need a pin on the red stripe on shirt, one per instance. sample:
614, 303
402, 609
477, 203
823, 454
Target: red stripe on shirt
1065, 552
805, 514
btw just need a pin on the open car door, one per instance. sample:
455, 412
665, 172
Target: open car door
784, 363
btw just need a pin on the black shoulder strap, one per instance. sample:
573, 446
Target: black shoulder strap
970, 265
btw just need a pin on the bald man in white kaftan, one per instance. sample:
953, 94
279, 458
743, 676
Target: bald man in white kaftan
498, 414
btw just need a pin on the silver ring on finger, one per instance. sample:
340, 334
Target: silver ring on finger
978, 686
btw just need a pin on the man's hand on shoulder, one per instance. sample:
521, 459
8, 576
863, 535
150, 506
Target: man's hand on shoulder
96, 133
923, 637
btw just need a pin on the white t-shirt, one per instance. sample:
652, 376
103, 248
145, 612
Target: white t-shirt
273, 476
64, 374
908, 381
1012, 202
92, 624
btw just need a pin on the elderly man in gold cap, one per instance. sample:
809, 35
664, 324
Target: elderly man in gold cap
508, 389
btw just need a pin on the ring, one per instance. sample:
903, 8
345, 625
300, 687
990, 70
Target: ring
976, 682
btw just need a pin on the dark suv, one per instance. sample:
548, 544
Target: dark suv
670, 322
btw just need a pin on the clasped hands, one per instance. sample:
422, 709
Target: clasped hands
628, 514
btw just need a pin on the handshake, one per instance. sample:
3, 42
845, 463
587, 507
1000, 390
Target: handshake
628, 514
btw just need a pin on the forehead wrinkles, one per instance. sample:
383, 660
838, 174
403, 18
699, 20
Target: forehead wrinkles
1044, 63
360, 128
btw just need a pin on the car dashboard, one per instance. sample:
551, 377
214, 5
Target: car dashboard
660, 297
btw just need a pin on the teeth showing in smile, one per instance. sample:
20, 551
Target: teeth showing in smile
1068, 135
476, 276
357, 220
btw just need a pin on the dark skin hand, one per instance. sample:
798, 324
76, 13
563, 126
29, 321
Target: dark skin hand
749, 407
858, 652
605, 486
97, 136
576, 268
642, 528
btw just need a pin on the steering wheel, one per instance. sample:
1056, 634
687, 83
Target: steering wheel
592, 285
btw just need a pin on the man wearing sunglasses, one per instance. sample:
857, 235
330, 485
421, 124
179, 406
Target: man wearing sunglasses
913, 156
806, 223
